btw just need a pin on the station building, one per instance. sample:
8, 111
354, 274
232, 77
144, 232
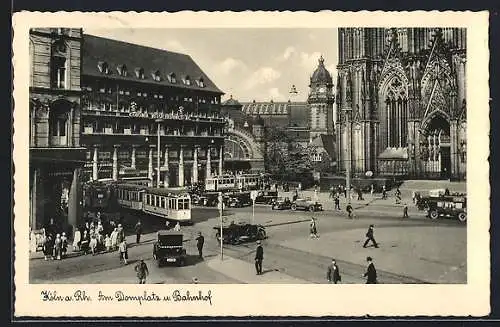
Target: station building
305, 122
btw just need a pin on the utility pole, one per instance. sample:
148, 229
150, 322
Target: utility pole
347, 110
221, 223
159, 121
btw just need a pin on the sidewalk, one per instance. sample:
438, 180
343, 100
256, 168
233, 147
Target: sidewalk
368, 200
425, 253
245, 272
122, 275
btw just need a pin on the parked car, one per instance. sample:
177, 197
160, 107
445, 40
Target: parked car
239, 200
447, 206
240, 233
266, 197
306, 204
281, 203
169, 248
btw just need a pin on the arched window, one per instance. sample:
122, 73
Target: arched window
396, 102
234, 149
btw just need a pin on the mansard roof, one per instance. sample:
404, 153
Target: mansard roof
149, 61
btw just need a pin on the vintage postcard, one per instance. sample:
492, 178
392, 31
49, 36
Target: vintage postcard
251, 164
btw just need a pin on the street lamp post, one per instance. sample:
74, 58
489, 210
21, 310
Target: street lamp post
158, 121
347, 112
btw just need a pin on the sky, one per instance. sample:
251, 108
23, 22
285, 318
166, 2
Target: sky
249, 64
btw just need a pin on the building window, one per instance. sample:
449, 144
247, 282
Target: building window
172, 78
103, 67
396, 114
139, 73
187, 80
156, 76
200, 82
58, 126
122, 70
58, 72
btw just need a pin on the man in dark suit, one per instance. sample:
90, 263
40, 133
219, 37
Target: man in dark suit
369, 237
333, 273
371, 272
200, 240
259, 256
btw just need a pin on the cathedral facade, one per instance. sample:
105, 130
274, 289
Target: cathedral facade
401, 102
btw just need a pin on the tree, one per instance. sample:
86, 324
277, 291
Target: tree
288, 160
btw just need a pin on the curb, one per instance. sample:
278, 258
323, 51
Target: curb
287, 223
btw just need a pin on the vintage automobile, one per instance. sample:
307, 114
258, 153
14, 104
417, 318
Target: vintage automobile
208, 199
240, 233
306, 204
239, 200
266, 197
281, 203
447, 206
169, 248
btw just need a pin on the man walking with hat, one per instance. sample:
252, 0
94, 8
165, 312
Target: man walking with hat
333, 274
371, 272
200, 240
259, 256
369, 237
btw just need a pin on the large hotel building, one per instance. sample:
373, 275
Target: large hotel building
100, 107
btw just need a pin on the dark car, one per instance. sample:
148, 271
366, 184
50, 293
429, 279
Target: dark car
281, 203
447, 206
307, 204
240, 233
239, 200
169, 248
266, 197
209, 199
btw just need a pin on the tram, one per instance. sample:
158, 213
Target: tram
227, 182
220, 183
130, 196
155, 201
97, 195
161, 202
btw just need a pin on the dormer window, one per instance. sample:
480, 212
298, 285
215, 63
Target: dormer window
187, 80
139, 73
103, 67
122, 70
156, 76
200, 82
60, 31
172, 78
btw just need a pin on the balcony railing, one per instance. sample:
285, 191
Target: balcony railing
143, 132
113, 111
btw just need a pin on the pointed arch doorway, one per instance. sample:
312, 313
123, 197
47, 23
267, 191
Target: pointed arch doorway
435, 146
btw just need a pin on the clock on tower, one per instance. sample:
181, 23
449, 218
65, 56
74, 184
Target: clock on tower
321, 101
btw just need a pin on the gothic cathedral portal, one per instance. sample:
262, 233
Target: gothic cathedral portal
405, 91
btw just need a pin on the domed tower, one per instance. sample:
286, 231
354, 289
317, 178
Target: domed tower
321, 99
